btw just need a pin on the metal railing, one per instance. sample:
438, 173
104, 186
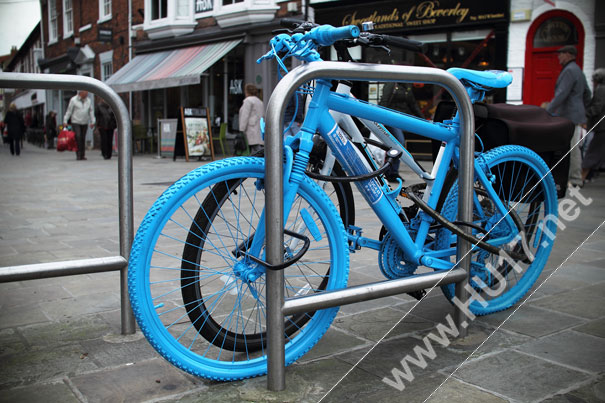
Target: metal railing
125, 208
276, 306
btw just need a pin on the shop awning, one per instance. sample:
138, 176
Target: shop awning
169, 68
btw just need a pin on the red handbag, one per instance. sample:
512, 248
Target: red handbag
67, 141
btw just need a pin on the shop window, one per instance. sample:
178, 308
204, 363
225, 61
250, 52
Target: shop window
556, 31
473, 49
164, 19
68, 18
53, 24
104, 10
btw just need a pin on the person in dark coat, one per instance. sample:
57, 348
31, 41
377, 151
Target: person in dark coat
401, 98
106, 123
571, 94
50, 127
15, 127
595, 155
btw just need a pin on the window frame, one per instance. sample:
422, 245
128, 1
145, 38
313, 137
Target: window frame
105, 58
53, 38
103, 17
173, 24
159, 3
68, 21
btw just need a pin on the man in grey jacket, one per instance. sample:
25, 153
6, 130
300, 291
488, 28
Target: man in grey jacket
571, 94
81, 113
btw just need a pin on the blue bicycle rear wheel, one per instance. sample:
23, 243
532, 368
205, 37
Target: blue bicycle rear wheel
526, 188
197, 296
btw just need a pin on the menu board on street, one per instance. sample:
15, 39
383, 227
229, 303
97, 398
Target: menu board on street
197, 133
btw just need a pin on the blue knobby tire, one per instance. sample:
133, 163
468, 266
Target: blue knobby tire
525, 186
195, 238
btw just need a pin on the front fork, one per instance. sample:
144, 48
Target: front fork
294, 168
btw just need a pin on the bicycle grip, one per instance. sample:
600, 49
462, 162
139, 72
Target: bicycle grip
404, 43
326, 35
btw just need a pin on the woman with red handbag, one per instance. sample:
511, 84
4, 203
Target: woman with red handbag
80, 111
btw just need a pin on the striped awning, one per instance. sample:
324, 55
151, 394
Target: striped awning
169, 68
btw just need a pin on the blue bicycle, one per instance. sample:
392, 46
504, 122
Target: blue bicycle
197, 267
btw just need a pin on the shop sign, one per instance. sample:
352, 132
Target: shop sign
413, 14
202, 6
235, 87
105, 35
556, 31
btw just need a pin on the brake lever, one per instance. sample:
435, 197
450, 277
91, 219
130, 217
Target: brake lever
304, 27
281, 31
383, 47
367, 42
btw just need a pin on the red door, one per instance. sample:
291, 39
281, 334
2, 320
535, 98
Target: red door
544, 73
548, 33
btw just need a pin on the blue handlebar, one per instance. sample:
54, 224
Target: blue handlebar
326, 35
303, 46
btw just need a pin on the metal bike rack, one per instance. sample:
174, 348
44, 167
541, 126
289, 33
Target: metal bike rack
96, 265
276, 306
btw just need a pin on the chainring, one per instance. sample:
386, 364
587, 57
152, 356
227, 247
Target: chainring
391, 260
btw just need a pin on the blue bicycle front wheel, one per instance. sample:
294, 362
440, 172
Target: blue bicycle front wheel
198, 297
524, 185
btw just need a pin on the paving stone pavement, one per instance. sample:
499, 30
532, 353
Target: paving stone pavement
60, 338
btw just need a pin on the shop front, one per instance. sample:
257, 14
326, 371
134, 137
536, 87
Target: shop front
469, 34
547, 33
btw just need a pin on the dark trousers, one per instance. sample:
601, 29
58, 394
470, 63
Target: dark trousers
80, 131
15, 145
106, 142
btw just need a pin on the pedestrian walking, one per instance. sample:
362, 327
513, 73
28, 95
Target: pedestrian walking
595, 154
15, 127
81, 113
50, 129
250, 114
294, 114
401, 98
106, 123
571, 96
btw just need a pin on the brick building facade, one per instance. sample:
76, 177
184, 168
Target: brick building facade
225, 37
218, 40
88, 38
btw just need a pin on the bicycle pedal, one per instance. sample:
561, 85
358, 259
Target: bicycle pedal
417, 294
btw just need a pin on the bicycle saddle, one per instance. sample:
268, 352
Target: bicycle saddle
486, 79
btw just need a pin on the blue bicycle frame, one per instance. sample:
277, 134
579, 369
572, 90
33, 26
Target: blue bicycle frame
378, 195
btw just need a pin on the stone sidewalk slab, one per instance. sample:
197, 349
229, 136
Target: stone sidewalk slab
586, 302
48, 393
139, 382
570, 348
592, 392
531, 321
518, 376
456, 391
60, 338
